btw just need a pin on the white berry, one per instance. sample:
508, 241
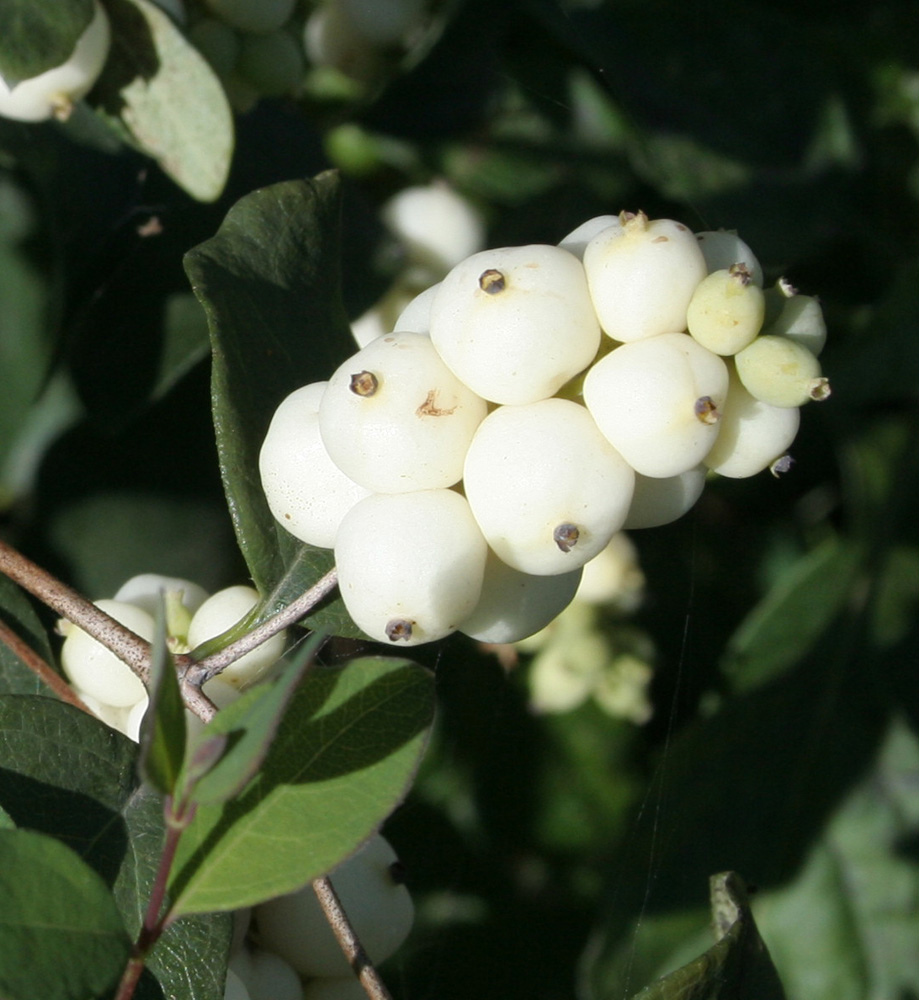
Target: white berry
514, 605
658, 501
378, 905
781, 372
753, 434
98, 671
723, 247
395, 419
545, 486
657, 400
726, 310
642, 274
222, 611
306, 491
410, 565
515, 323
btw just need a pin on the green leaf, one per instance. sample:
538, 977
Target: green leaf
189, 960
6, 821
736, 967
17, 613
163, 733
61, 935
344, 756
792, 616
35, 37
845, 927
250, 725
68, 775
167, 97
269, 283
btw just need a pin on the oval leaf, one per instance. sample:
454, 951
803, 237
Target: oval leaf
61, 935
345, 755
269, 283
147, 82
736, 967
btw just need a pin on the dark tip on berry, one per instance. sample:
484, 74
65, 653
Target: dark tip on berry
781, 465
364, 384
398, 872
492, 281
706, 410
566, 536
398, 629
741, 272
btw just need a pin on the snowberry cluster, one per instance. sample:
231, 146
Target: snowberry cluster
288, 951
111, 689
526, 408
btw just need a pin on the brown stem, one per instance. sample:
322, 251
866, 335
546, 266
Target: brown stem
209, 666
350, 945
45, 673
124, 643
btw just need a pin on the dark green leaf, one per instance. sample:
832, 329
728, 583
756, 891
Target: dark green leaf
269, 283
35, 37
147, 84
6, 821
736, 967
189, 960
344, 756
68, 775
61, 935
17, 613
250, 725
791, 617
163, 731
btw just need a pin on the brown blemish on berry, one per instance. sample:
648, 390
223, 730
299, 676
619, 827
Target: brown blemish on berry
429, 408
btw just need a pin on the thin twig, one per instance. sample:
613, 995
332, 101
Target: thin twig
358, 959
42, 670
209, 666
124, 643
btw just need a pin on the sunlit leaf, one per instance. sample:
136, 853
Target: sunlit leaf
345, 754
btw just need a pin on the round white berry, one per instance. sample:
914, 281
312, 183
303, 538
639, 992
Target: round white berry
371, 892
144, 590
726, 310
658, 501
799, 318
416, 315
781, 372
514, 605
410, 565
54, 92
306, 491
437, 226
395, 419
723, 247
642, 274
753, 434
657, 400
545, 486
267, 976
222, 611
576, 241
515, 323
98, 671
235, 988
